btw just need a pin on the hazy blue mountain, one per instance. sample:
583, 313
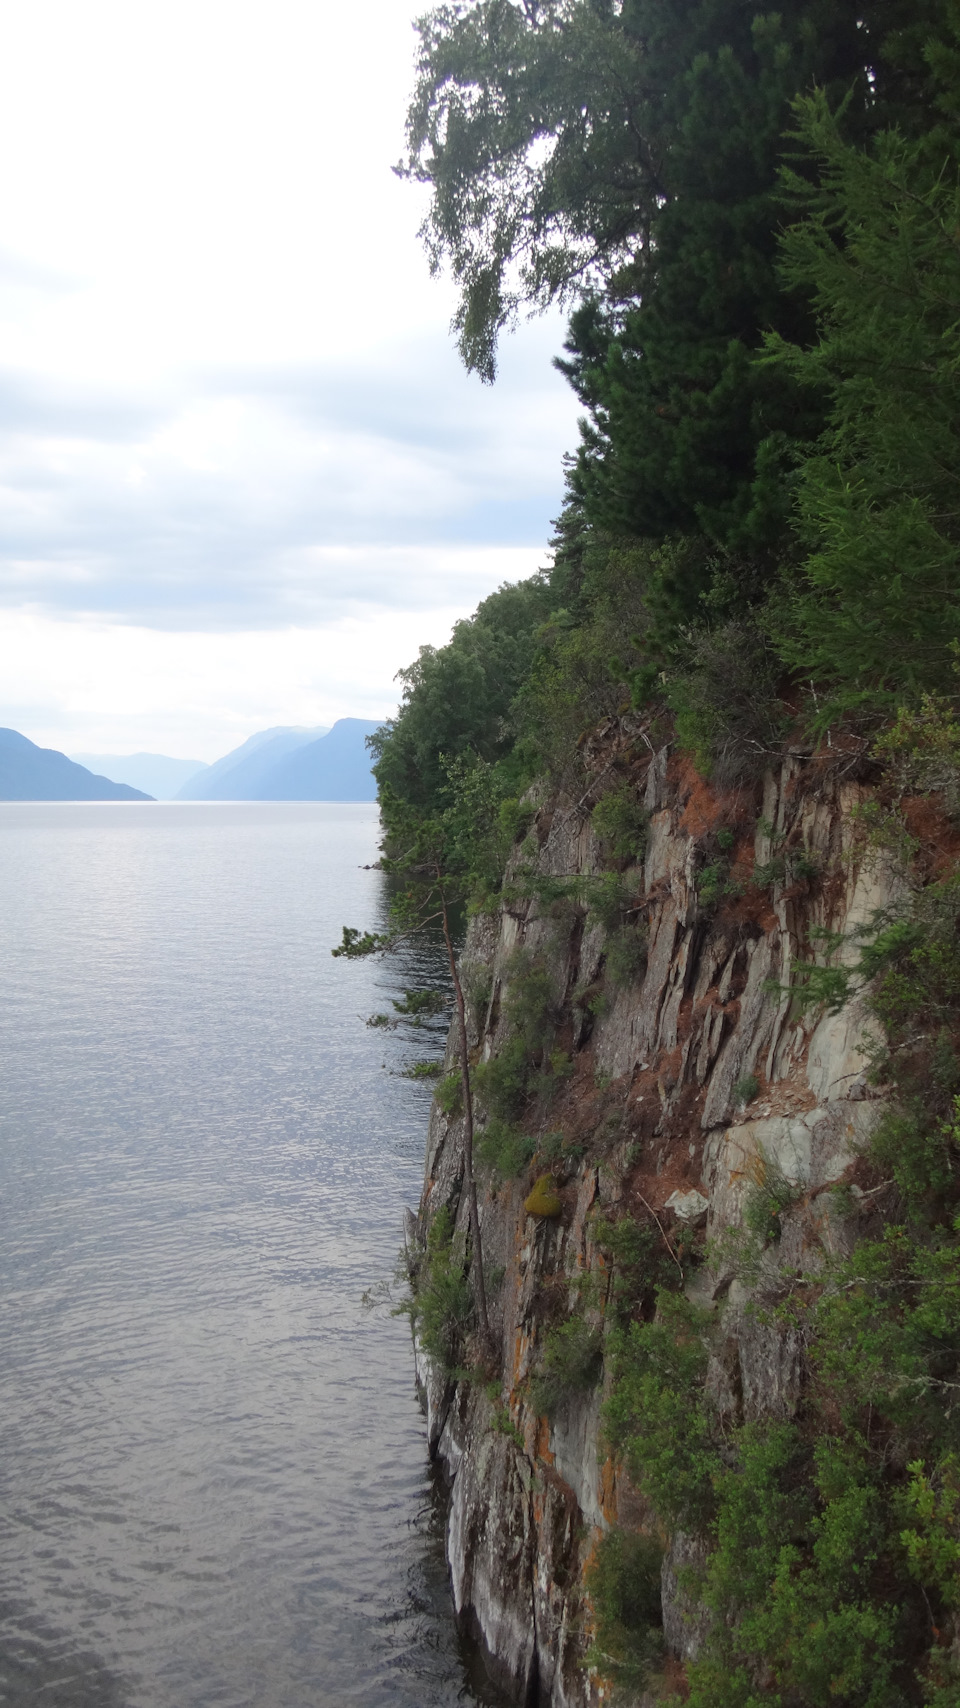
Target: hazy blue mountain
335, 768
159, 775
31, 773
247, 765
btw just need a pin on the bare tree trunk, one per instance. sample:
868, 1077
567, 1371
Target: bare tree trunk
471, 1184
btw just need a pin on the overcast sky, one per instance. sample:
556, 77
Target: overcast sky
242, 474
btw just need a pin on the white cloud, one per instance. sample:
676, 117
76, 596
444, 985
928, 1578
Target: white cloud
95, 686
230, 413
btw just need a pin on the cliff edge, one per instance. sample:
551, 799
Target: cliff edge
674, 1117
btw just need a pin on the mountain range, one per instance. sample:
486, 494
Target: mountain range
247, 765
292, 765
155, 773
31, 773
281, 764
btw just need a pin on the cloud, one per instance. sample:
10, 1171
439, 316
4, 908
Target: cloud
233, 496
231, 416
93, 686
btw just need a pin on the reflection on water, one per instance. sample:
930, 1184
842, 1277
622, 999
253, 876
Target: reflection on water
213, 1482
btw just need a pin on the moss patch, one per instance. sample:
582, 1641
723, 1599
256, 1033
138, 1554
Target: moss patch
544, 1200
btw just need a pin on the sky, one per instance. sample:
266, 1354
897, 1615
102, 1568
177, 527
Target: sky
243, 475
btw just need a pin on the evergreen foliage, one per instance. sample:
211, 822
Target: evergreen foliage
755, 219
878, 509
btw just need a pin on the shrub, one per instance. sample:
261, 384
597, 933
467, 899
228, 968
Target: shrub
423, 1070
626, 956
570, 1363
746, 1088
620, 821
449, 1093
442, 1304
714, 883
623, 1579
640, 1264
506, 1080
923, 748
501, 1083
770, 1195
504, 1149
608, 900
728, 715
657, 1412
920, 1153
421, 1004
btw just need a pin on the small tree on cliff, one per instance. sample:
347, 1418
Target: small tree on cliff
440, 860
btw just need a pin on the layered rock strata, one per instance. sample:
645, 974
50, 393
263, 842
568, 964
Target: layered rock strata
684, 1086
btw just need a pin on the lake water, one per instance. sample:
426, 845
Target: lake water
214, 1487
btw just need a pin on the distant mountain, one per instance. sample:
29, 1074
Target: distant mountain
292, 765
247, 766
335, 768
160, 776
31, 773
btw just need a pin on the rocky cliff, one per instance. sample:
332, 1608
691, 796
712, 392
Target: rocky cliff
675, 1078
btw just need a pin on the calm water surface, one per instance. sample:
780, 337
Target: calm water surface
213, 1479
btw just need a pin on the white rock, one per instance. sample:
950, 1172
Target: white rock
688, 1206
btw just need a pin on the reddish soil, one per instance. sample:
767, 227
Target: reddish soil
938, 836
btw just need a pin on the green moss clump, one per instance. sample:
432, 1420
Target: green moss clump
544, 1200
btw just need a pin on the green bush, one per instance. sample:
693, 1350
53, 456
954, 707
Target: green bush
506, 1080
442, 1304
621, 822
923, 748
920, 1153
421, 1004
626, 956
825, 1569
502, 1082
608, 900
640, 1265
714, 884
657, 1413
423, 1070
623, 1579
570, 1363
449, 1093
728, 714
504, 1149
746, 1088
769, 1196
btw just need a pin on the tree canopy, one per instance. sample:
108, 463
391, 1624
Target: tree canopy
559, 136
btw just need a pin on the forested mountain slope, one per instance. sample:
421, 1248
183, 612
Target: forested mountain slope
692, 1359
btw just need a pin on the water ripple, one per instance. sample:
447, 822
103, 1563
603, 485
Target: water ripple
213, 1483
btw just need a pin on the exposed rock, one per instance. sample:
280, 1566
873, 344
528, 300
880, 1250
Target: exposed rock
686, 1623
689, 1206
693, 1088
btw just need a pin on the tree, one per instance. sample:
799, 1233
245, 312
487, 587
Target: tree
456, 700
623, 156
876, 610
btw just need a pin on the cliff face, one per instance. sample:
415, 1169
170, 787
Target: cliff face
683, 1083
